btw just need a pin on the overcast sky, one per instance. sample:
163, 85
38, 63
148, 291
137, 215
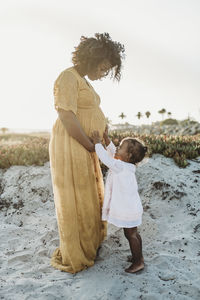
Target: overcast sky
161, 69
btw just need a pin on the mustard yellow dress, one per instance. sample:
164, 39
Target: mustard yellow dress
76, 176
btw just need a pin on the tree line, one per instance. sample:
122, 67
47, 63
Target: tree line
147, 114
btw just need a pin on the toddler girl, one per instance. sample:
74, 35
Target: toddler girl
122, 205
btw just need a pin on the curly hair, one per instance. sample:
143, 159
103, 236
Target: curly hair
137, 148
92, 51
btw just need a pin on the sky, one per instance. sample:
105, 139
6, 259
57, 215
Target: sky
161, 68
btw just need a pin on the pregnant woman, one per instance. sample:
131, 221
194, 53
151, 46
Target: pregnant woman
76, 175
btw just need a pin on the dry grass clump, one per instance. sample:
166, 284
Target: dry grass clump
23, 150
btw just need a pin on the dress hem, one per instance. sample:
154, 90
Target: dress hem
122, 224
56, 262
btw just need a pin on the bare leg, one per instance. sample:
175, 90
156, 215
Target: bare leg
140, 239
130, 257
135, 243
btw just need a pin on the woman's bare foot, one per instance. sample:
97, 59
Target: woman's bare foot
135, 267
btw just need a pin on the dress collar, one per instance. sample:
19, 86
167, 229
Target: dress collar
127, 165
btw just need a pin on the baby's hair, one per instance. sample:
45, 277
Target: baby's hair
137, 148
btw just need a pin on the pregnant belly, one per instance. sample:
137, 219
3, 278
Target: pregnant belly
92, 120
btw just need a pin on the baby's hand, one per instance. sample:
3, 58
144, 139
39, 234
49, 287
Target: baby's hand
105, 134
96, 137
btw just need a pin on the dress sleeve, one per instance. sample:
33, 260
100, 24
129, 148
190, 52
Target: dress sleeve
111, 149
110, 162
66, 92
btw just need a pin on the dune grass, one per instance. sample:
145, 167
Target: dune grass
22, 149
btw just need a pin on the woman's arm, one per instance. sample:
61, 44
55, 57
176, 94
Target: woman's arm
75, 129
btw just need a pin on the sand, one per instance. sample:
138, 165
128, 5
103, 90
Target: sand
170, 232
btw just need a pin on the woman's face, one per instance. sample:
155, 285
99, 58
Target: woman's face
101, 70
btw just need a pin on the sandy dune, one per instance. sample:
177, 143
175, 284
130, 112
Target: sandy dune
170, 233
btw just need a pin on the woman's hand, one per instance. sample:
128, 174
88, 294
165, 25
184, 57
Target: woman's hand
95, 137
92, 148
74, 128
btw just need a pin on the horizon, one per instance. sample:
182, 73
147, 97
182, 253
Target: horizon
123, 122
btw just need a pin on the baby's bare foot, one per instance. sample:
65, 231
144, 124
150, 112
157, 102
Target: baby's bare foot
135, 267
130, 258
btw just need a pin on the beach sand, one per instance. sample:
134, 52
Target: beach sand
170, 232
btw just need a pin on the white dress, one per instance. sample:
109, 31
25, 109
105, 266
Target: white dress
122, 204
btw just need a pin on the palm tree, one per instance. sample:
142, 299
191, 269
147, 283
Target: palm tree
122, 115
162, 112
169, 113
4, 130
139, 115
147, 113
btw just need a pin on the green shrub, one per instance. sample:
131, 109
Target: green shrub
187, 122
169, 122
180, 148
29, 150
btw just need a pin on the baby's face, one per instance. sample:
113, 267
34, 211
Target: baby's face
122, 152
